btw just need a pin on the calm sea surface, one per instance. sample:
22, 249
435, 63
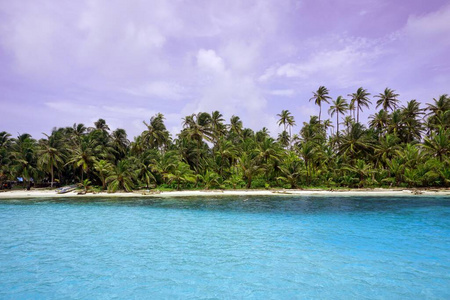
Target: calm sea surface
226, 248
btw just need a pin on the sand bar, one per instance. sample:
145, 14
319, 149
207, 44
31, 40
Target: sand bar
36, 193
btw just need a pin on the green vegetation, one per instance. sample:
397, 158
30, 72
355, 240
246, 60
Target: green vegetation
404, 146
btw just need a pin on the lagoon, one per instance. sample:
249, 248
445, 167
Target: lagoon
278, 247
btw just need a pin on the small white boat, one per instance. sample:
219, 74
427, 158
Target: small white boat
66, 189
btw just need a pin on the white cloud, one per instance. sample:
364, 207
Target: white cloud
434, 26
340, 65
285, 92
208, 60
158, 89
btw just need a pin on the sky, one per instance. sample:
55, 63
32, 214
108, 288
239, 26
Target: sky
64, 62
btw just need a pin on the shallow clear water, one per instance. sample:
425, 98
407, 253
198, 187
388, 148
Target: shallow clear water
241, 247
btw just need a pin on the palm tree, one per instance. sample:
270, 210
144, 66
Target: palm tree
236, 125
250, 166
356, 142
386, 148
83, 155
101, 125
307, 152
196, 128
438, 144
120, 177
413, 126
284, 139
217, 125
156, 135
387, 99
103, 169
291, 170
439, 112
5, 153
339, 106
287, 120
24, 157
321, 95
378, 121
120, 143
361, 99
362, 170
49, 156
181, 174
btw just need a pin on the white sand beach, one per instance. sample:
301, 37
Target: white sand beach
37, 193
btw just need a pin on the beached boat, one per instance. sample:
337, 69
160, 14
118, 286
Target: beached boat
66, 189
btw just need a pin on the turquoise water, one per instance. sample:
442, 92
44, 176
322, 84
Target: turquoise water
226, 248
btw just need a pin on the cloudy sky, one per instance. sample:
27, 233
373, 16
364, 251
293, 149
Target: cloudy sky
65, 62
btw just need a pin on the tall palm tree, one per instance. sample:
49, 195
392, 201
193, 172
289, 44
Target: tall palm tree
287, 120
319, 96
339, 106
387, 99
361, 98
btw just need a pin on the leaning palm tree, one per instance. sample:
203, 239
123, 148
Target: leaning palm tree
339, 106
387, 99
321, 95
361, 98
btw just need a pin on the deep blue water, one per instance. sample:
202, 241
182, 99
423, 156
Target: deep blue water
226, 248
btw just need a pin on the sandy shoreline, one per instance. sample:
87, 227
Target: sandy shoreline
355, 192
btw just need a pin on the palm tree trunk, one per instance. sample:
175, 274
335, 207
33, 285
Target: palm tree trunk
51, 172
337, 123
320, 112
198, 155
357, 108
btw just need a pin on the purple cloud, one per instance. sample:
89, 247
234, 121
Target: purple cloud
77, 61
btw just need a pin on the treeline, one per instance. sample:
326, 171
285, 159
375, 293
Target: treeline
405, 146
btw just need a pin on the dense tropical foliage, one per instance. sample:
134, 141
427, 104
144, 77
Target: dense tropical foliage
402, 146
